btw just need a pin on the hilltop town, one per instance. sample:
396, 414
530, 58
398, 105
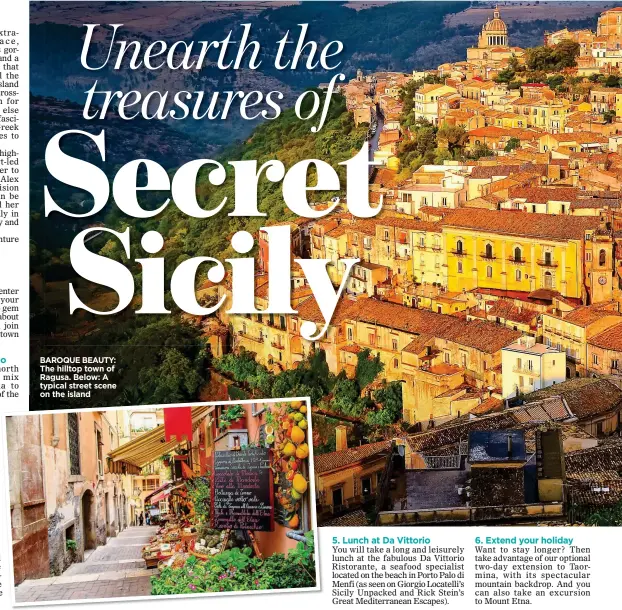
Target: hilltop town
485, 310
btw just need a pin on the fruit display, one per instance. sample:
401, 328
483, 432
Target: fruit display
286, 434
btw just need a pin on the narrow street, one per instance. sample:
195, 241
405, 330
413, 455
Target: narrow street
113, 570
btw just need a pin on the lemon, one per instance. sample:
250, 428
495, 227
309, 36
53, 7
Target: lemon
289, 449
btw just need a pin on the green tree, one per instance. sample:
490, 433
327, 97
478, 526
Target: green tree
512, 144
367, 368
455, 136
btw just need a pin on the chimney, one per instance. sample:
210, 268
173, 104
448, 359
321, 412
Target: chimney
341, 437
509, 445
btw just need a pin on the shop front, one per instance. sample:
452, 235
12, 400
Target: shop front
237, 501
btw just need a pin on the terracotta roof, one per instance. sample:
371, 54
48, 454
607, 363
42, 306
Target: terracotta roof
309, 310
535, 194
508, 311
609, 339
544, 226
490, 405
326, 462
356, 518
483, 336
586, 315
418, 343
603, 458
585, 397
581, 137
547, 409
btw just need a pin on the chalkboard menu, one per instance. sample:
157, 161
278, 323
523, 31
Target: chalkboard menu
242, 492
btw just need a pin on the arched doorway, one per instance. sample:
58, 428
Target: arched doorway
89, 532
548, 280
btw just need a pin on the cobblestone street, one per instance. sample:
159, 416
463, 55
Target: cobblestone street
114, 570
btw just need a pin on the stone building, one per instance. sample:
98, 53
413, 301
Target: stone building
64, 502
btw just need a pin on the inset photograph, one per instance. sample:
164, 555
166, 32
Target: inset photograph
141, 501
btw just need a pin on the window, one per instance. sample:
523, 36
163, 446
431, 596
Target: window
447, 358
386, 234
350, 334
73, 434
518, 275
459, 267
459, 246
488, 250
283, 324
422, 241
518, 254
595, 359
489, 271
530, 365
588, 257
614, 365
99, 443
396, 363
372, 339
548, 258
521, 381
602, 258
444, 201
394, 344
548, 280
519, 363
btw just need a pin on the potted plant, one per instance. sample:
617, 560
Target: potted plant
232, 417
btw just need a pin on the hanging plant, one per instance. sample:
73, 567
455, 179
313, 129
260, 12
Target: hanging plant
229, 416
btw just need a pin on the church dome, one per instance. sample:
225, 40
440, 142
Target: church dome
496, 24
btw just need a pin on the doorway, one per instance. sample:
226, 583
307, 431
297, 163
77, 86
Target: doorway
89, 533
337, 497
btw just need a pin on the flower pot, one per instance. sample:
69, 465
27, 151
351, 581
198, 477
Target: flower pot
238, 424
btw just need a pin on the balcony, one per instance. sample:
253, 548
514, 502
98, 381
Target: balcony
277, 344
547, 263
367, 246
459, 252
522, 370
402, 256
421, 246
487, 257
517, 261
250, 337
436, 248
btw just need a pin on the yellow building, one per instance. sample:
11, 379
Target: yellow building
428, 254
516, 251
426, 101
571, 331
547, 114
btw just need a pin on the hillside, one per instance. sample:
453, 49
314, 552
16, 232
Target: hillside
387, 36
